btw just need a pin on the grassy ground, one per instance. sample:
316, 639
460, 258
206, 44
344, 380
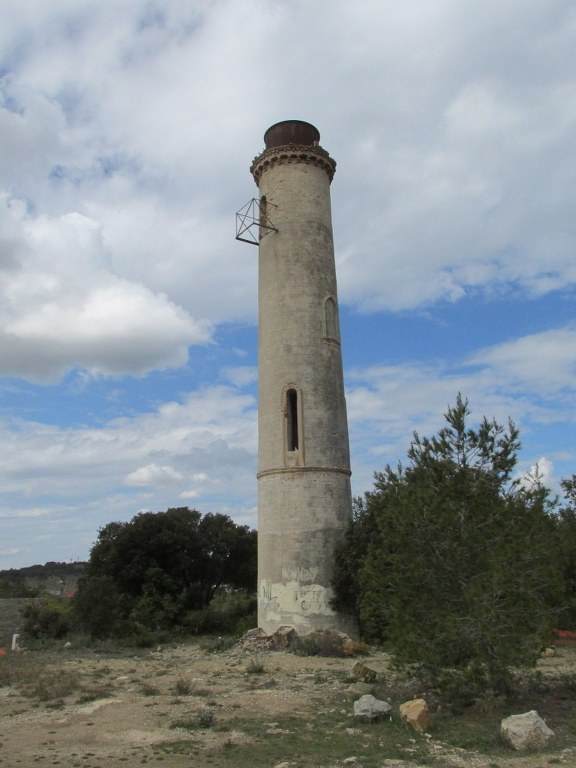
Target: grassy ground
182, 706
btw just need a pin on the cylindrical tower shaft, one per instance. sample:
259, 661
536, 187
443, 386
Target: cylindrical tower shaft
304, 494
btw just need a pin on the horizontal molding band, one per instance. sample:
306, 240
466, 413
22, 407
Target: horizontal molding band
292, 153
296, 470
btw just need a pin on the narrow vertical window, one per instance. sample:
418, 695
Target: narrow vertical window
292, 419
263, 205
330, 319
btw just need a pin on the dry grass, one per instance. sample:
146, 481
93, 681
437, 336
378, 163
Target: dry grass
306, 718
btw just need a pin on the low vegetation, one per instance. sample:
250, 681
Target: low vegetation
458, 565
305, 719
455, 564
165, 571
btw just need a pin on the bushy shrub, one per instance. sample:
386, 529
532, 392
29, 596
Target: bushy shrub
50, 618
229, 613
98, 606
451, 561
322, 643
162, 571
353, 648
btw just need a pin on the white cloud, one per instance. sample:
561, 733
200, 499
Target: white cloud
20, 513
154, 475
542, 362
62, 308
203, 448
240, 375
212, 433
530, 380
452, 175
542, 472
127, 133
9, 551
188, 495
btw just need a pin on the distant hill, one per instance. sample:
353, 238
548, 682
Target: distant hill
54, 578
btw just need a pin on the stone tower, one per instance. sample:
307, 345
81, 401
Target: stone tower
304, 498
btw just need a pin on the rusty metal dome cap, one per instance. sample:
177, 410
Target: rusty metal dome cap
291, 132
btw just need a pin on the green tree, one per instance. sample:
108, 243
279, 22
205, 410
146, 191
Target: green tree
349, 555
457, 575
566, 553
156, 568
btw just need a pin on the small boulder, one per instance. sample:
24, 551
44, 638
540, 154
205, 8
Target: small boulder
284, 637
363, 673
255, 639
359, 689
368, 708
415, 713
526, 731
256, 633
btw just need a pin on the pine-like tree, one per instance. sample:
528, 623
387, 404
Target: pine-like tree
457, 574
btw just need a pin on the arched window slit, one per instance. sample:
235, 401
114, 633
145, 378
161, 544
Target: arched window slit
292, 419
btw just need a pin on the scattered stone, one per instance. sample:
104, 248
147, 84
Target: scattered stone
255, 639
548, 653
257, 633
353, 731
67, 644
415, 714
363, 673
284, 637
350, 761
360, 689
526, 731
368, 708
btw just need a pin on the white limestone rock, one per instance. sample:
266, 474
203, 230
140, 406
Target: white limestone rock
368, 708
526, 731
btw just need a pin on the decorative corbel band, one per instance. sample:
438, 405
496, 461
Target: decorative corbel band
292, 153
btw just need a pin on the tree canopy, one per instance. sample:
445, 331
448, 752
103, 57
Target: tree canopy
448, 558
566, 553
156, 568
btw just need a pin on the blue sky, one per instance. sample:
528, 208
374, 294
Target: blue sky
128, 339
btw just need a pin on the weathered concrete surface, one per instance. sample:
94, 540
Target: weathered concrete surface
304, 489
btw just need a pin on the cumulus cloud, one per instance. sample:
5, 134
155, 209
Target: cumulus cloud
62, 308
202, 448
127, 132
530, 380
543, 362
540, 473
451, 178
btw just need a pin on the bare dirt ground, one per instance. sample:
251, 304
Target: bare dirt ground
182, 706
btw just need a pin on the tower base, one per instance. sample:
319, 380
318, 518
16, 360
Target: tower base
304, 606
